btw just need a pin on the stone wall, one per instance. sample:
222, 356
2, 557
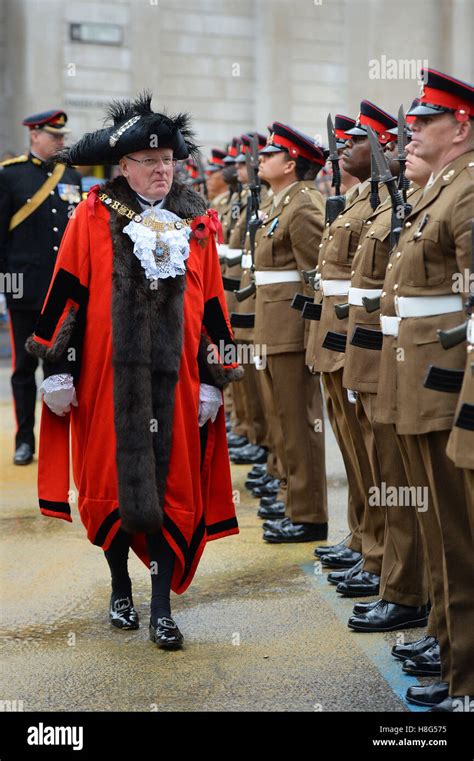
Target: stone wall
234, 64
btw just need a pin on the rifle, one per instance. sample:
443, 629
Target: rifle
400, 208
236, 207
403, 182
254, 221
458, 334
334, 204
201, 178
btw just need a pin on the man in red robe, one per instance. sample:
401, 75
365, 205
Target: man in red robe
137, 346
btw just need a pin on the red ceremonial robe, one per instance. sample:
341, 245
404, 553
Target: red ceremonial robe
197, 505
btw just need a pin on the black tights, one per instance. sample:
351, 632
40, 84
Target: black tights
162, 560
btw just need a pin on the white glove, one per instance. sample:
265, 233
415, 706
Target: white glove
59, 393
210, 399
352, 395
3, 304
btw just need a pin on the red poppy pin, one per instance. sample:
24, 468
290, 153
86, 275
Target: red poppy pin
206, 225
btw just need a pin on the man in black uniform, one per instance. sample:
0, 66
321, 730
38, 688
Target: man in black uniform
36, 201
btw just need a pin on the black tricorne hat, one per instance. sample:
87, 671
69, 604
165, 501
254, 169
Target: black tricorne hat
135, 127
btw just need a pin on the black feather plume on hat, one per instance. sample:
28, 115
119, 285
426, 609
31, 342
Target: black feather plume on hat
131, 126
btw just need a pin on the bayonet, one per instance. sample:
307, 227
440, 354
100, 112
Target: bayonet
400, 209
201, 178
334, 157
334, 204
403, 182
253, 218
374, 183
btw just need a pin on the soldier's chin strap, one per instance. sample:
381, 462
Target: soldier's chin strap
37, 199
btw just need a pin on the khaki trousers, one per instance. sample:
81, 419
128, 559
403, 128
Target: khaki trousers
403, 578
449, 551
293, 399
358, 470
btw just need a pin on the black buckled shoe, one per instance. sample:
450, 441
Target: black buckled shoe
428, 695
234, 441
166, 634
424, 664
275, 511
267, 489
363, 584
335, 577
23, 455
257, 471
388, 617
276, 523
296, 532
270, 499
411, 649
346, 558
364, 607
122, 614
249, 455
261, 480
332, 548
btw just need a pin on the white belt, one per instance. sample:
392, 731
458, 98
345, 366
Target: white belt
233, 255
427, 306
268, 277
222, 249
246, 262
357, 294
335, 287
389, 325
470, 330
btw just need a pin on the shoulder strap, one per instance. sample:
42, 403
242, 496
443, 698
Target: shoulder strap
37, 199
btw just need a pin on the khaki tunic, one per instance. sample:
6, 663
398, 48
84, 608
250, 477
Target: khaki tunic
293, 244
434, 246
288, 240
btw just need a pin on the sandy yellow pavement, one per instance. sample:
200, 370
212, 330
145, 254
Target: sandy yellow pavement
259, 635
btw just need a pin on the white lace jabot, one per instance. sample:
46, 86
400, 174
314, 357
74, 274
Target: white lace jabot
161, 254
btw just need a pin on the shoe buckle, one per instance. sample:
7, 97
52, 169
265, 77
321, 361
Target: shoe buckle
122, 604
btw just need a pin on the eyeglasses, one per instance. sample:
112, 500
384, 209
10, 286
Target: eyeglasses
150, 163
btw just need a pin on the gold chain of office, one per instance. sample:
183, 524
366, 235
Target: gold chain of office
154, 224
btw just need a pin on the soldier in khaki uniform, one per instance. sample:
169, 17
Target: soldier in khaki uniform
461, 441
419, 297
220, 199
248, 434
403, 588
287, 243
338, 247
243, 315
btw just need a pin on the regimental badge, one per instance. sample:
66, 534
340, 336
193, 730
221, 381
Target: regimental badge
69, 193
